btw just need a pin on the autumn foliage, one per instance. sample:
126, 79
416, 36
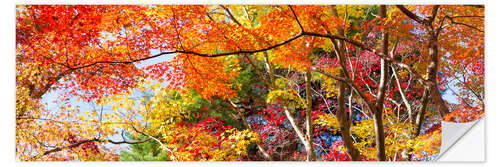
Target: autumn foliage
245, 82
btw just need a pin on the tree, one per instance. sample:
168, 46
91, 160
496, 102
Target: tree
279, 82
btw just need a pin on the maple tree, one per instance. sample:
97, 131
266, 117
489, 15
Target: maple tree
246, 82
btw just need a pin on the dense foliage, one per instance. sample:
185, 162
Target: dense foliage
244, 82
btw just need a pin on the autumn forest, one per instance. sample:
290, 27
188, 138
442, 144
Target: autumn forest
244, 82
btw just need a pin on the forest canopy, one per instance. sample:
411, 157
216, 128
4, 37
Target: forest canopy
244, 82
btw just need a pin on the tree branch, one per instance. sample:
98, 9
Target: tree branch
435, 10
333, 37
296, 18
328, 74
57, 149
231, 16
249, 127
410, 14
460, 23
403, 95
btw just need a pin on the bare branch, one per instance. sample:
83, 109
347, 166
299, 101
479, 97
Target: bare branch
250, 61
328, 74
231, 16
410, 14
476, 6
242, 51
57, 149
460, 23
296, 18
403, 95
435, 10
266, 155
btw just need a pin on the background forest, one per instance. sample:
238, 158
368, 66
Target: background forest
244, 82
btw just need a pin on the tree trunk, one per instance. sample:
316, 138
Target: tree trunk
298, 131
432, 70
433, 46
418, 122
379, 105
345, 126
309, 133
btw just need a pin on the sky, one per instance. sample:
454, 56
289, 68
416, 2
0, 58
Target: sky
51, 97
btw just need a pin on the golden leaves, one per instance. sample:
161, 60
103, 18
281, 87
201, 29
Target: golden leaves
288, 98
328, 121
